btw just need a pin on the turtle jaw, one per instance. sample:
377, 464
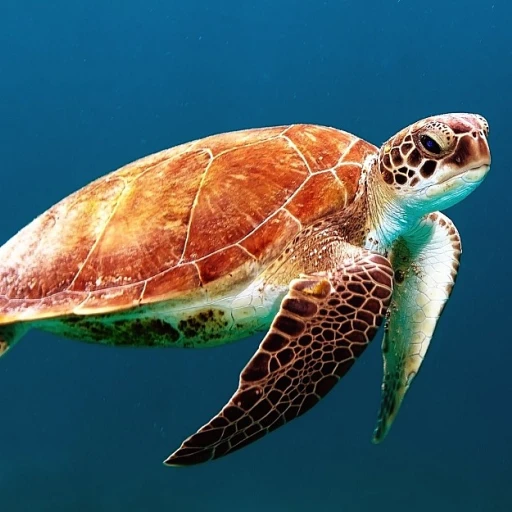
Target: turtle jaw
476, 174
454, 186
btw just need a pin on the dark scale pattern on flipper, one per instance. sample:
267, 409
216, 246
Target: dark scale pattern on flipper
325, 322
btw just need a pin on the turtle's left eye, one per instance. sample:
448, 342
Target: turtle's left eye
430, 144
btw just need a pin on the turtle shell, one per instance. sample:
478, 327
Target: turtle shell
200, 218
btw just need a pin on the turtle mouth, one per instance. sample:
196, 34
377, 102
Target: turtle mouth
459, 181
471, 175
475, 174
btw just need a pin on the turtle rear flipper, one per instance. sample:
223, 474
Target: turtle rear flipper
325, 322
10, 334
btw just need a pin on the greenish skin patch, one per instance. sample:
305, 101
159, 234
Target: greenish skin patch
166, 324
136, 332
206, 324
206, 327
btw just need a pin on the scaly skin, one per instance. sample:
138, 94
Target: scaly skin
326, 321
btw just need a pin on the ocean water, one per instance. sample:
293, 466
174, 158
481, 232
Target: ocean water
86, 87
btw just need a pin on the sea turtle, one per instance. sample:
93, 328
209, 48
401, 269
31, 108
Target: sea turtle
306, 232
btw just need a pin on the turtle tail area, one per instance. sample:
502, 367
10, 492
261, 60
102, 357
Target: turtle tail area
9, 335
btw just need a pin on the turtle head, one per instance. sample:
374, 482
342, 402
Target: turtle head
436, 162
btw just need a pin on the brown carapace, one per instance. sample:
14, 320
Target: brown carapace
206, 216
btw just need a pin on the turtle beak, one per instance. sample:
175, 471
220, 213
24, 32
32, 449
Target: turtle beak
476, 174
482, 156
472, 156
462, 172
472, 159
478, 147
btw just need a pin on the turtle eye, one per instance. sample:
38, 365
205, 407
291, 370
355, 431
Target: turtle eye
430, 144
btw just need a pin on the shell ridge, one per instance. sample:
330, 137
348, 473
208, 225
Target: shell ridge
241, 146
293, 217
194, 203
246, 250
299, 152
100, 235
338, 179
349, 148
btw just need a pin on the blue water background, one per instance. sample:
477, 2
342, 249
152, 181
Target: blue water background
86, 86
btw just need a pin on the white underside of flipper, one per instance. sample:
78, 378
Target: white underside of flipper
425, 262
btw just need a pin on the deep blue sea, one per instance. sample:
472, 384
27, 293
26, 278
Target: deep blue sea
87, 86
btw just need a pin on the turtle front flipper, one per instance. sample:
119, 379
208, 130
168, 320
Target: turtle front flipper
425, 264
325, 322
